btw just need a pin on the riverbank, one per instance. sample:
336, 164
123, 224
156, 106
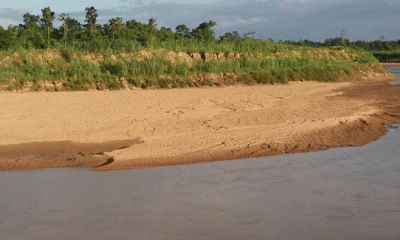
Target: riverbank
108, 130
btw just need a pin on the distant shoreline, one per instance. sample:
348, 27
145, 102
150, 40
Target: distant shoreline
390, 64
105, 130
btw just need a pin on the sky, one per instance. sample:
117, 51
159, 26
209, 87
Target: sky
315, 20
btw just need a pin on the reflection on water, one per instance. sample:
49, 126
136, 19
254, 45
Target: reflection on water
344, 193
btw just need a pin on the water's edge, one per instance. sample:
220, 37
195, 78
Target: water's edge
340, 193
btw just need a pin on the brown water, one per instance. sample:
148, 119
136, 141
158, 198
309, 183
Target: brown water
343, 193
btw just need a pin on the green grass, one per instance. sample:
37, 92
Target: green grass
178, 45
158, 72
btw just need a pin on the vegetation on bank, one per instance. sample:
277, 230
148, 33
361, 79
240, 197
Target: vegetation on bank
37, 56
387, 56
161, 68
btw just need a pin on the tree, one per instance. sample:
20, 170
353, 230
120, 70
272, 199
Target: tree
74, 27
336, 42
91, 18
230, 37
204, 32
47, 21
64, 18
182, 31
152, 25
136, 30
2, 38
377, 45
30, 35
133, 24
115, 26
11, 37
165, 34
30, 21
362, 44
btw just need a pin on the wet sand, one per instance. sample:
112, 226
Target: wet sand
108, 130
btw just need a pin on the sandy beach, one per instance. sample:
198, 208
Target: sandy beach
108, 130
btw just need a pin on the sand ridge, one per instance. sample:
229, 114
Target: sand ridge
174, 126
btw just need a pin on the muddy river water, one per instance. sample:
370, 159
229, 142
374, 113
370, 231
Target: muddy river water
342, 193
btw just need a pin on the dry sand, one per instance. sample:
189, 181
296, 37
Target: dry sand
107, 130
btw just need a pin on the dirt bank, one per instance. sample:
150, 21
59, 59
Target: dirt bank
108, 130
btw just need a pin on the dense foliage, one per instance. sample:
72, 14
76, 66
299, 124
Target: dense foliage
38, 32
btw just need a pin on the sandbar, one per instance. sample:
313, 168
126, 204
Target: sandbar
112, 130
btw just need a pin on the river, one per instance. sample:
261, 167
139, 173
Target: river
342, 193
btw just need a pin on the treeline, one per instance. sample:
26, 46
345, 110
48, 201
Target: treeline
38, 32
384, 51
376, 45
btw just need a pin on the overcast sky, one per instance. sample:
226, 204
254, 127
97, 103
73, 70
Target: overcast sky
315, 20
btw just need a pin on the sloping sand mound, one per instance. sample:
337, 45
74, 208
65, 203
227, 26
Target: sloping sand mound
140, 128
